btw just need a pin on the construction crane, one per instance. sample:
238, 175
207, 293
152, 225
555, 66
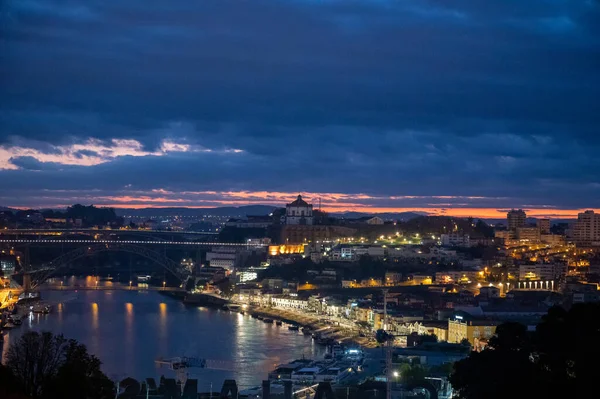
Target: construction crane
181, 365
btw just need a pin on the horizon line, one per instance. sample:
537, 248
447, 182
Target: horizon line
459, 212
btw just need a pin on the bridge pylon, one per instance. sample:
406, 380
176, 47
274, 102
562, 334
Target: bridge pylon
26, 282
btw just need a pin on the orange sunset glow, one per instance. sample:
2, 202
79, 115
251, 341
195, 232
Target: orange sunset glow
330, 202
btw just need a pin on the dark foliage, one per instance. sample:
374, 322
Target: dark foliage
558, 360
45, 366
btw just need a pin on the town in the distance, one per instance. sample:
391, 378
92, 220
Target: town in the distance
396, 299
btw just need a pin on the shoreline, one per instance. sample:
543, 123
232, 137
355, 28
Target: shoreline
314, 322
345, 334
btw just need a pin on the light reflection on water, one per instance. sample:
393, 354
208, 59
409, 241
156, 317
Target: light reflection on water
128, 330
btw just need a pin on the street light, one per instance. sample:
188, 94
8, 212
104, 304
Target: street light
129, 284
164, 284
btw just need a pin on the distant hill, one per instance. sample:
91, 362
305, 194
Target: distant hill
225, 211
242, 211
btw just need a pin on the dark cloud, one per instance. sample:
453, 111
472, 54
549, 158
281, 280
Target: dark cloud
461, 98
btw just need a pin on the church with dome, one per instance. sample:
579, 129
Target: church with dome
299, 212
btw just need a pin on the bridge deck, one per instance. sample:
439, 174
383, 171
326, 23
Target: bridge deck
144, 242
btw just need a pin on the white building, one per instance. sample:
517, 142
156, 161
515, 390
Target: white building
587, 228
288, 302
247, 275
456, 240
224, 257
299, 212
541, 271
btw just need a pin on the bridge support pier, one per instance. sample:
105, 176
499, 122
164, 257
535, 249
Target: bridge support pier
26, 282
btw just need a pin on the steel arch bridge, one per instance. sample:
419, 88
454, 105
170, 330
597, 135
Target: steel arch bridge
64, 260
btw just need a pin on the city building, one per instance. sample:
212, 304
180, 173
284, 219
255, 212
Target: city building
586, 230
226, 257
543, 225
489, 292
463, 325
456, 240
393, 278
246, 275
542, 271
528, 234
552, 239
289, 302
7, 264
276, 250
299, 212
458, 276
515, 218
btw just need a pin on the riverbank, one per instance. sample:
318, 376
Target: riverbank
345, 330
346, 333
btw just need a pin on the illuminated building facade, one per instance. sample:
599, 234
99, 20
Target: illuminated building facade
299, 212
275, 250
464, 326
552, 271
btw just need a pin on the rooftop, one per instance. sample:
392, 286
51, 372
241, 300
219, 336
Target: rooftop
299, 202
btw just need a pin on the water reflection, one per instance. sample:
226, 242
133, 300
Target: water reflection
128, 330
129, 336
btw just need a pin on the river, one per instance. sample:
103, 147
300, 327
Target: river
128, 330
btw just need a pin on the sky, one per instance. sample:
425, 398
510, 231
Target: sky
458, 107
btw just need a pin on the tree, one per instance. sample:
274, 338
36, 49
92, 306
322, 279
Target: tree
34, 360
50, 366
79, 377
566, 349
502, 371
412, 374
558, 360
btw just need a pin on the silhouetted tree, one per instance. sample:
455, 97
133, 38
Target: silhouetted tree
558, 360
49, 366
34, 360
79, 377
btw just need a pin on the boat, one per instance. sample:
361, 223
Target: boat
254, 316
270, 321
306, 331
39, 308
293, 327
8, 326
202, 299
16, 319
279, 322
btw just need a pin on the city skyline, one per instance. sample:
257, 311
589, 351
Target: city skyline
449, 108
